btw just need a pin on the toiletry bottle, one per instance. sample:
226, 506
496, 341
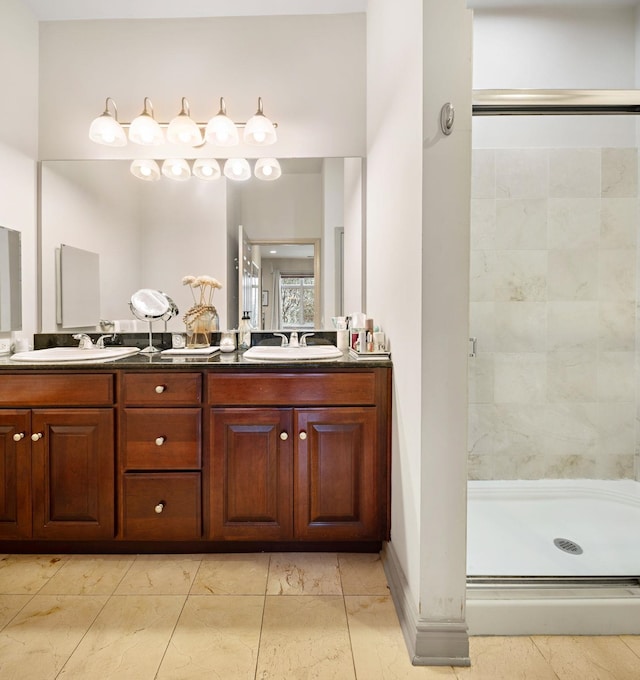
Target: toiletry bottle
244, 331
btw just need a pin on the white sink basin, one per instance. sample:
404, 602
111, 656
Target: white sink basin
310, 353
54, 355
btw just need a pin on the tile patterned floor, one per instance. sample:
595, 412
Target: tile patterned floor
286, 616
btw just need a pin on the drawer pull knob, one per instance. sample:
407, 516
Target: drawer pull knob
18, 436
303, 435
284, 436
36, 435
159, 508
160, 441
160, 389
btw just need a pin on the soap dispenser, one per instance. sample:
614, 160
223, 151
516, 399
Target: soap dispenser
244, 331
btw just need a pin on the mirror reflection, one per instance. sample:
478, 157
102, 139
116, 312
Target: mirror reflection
10, 281
152, 235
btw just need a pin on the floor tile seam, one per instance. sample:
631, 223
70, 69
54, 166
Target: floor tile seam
264, 606
628, 646
346, 618
170, 638
89, 627
61, 562
10, 621
544, 658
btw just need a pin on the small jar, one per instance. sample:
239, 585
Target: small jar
228, 341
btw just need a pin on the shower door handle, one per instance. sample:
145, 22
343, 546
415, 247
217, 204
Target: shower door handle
472, 346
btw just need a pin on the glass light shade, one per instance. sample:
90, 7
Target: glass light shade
222, 131
145, 130
259, 130
106, 130
237, 169
207, 169
267, 169
176, 168
183, 130
145, 169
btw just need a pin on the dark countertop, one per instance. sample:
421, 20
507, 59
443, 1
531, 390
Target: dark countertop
219, 361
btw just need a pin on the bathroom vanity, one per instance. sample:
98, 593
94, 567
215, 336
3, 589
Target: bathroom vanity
217, 454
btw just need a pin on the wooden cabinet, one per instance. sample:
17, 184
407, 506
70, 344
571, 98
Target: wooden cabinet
120, 457
57, 474
298, 472
15, 474
252, 474
161, 456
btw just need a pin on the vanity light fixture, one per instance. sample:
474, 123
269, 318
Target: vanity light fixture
267, 169
144, 129
183, 129
259, 130
105, 129
207, 169
237, 169
176, 168
221, 130
145, 169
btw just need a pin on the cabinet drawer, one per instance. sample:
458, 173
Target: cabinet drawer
151, 389
308, 389
55, 389
162, 506
161, 439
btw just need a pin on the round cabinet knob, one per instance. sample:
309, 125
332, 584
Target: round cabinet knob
36, 435
18, 436
160, 441
159, 508
284, 436
160, 389
303, 435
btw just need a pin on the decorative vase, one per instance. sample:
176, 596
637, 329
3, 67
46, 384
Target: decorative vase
200, 321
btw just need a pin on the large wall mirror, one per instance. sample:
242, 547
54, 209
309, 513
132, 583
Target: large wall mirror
153, 234
10, 281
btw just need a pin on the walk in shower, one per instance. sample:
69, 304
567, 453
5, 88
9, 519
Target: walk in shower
554, 496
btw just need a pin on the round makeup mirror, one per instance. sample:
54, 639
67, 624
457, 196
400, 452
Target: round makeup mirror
150, 305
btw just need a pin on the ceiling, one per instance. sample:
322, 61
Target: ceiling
501, 4
63, 10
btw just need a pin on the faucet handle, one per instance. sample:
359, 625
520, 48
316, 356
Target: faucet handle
285, 341
85, 340
303, 339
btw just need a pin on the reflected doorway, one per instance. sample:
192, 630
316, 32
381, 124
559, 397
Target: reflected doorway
282, 283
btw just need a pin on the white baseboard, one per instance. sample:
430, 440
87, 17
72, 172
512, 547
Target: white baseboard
429, 643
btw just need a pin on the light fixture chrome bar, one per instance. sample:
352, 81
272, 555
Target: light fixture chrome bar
555, 102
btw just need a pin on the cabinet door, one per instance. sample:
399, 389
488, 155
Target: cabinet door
251, 484
336, 486
73, 474
15, 474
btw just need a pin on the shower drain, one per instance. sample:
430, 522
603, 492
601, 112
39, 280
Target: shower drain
567, 546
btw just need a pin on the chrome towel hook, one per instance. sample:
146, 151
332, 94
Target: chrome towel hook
447, 114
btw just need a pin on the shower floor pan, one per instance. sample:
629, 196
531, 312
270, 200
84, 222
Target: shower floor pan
514, 526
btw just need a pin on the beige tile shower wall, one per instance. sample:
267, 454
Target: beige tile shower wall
552, 389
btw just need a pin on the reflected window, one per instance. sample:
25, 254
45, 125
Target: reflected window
297, 300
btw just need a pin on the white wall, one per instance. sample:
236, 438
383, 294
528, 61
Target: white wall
19, 140
290, 61
417, 238
354, 270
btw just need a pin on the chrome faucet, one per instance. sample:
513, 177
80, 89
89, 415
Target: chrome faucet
85, 341
293, 339
102, 338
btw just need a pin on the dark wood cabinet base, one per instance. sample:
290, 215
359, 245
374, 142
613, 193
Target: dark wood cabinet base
183, 547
